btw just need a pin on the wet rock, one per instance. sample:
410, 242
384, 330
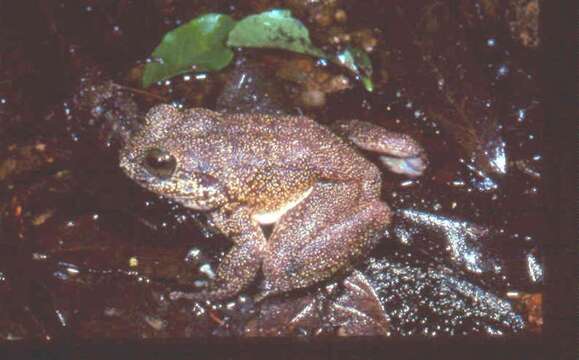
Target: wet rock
251, 88
86, 254
433, 301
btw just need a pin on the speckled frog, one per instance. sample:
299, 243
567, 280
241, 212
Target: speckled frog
248, 170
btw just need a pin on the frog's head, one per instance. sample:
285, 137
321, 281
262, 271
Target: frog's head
160, 158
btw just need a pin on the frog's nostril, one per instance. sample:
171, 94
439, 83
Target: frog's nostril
159, 163
207, 181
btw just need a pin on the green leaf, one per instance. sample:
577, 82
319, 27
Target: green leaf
359, 63
368, 84
196, 46
273, 29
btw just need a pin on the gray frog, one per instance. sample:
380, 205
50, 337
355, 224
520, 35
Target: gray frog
247, 170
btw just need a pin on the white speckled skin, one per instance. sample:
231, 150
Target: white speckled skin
245, 168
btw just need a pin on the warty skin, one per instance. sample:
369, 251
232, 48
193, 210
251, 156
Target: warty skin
248, 170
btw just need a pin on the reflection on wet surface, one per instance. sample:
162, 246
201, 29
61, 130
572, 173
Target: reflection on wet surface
84, 252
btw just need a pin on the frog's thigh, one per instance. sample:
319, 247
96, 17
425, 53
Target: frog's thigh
326, 233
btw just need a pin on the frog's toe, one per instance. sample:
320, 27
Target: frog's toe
177, 295
260, 296
214, 295
412, 166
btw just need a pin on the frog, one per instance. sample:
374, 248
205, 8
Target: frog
308, 182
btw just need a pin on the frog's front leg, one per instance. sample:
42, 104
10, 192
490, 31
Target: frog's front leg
240, 265
400, 153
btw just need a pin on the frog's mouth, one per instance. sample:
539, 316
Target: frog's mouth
197, 203
127, 163
198, 192
192, 192
200, 200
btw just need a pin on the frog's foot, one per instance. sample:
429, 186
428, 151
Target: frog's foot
400, 153
412, 167
213, 295
336, 235
236, 271
260, 296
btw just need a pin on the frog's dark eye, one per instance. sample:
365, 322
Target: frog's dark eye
159, 163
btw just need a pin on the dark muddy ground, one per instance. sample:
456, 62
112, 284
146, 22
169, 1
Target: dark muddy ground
88, 254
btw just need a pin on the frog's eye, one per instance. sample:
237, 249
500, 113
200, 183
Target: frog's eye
159, 163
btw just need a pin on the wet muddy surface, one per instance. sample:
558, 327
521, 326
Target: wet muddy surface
87, 253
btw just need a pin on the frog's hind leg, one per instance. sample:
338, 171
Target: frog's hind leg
400, 153
326, 233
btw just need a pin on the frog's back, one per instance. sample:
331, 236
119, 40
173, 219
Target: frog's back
294, 142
